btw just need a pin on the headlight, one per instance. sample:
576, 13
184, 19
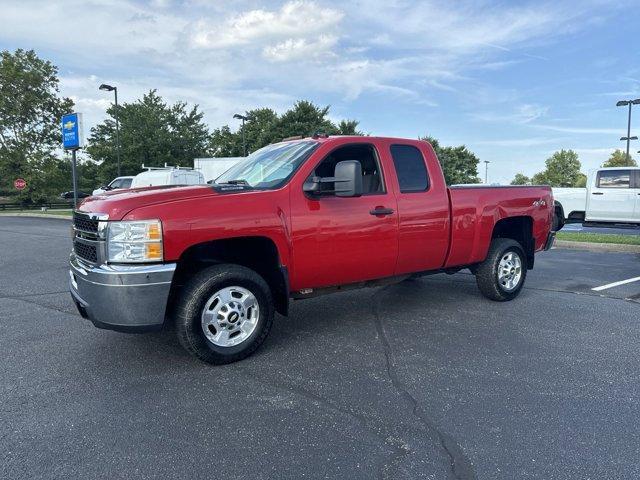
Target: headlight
134, 241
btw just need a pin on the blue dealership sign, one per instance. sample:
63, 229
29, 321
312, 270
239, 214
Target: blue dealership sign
72, 133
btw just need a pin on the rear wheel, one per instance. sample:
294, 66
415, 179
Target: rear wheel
502, 274
224, 313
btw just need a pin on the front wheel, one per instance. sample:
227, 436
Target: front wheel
224, 313
502, 274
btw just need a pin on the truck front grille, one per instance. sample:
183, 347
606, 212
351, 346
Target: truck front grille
88, 241
84, 223
85, 251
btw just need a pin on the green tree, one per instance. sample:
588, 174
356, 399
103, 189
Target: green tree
151, 133
30, 112
581, 181
459, 164
620, 159
264, 126
521, 179
259, 130
562, 170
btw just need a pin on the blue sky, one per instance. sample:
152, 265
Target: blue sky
514, 81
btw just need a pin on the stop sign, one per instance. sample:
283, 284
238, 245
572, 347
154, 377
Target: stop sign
19, 183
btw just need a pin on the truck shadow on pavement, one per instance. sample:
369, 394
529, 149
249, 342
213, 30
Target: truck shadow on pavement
341, 318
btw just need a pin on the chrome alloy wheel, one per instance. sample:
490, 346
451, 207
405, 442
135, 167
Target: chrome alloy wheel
509, 271
230, 316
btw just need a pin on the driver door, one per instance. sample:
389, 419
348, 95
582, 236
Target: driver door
342, 240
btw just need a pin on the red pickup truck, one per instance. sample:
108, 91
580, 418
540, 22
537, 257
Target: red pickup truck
294, 220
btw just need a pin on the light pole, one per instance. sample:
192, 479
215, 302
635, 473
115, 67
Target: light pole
486, 171
244, 145
628, 138
108, 88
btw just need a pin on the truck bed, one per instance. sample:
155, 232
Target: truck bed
475, 210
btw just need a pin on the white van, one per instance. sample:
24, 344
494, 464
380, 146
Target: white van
167, 176
612, 195
116, 184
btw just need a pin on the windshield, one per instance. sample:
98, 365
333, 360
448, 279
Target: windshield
269, 167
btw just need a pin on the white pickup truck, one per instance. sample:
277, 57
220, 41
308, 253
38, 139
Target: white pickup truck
612, 195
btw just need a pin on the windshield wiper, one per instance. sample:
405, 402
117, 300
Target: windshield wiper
238, 181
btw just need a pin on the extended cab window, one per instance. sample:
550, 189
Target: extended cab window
614, 179
372, 181
410, 168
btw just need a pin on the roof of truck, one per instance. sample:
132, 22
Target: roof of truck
329, 138
618, 168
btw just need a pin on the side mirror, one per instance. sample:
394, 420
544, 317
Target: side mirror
105, 187
348, 178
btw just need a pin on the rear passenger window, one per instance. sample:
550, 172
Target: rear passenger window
410, 167
614, 179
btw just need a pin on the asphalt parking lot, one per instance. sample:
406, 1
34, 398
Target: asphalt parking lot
423, 379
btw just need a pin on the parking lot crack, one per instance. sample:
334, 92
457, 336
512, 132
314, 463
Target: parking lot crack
381, 432
459, 465
26, 300
27, 295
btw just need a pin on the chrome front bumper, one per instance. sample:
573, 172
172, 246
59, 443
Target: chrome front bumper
123, 298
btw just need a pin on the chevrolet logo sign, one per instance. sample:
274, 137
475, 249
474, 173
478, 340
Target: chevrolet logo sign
69, 125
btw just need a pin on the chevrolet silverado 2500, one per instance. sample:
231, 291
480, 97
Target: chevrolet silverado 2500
294, 220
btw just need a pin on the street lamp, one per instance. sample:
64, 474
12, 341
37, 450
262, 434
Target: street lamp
486, 171
244, 145
108, 88
624, 103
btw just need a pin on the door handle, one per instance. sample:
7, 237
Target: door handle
381, 211
597, 193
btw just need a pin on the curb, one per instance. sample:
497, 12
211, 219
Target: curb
36, 215
598, 247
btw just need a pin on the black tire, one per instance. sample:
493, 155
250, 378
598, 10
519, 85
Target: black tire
191, 303
487, 271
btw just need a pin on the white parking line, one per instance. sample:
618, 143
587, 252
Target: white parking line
615, 284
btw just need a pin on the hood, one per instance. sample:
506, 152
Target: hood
118, 203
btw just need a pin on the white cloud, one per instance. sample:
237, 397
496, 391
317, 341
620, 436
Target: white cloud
524, 113
580, 130
106, 28
300, 49
519, 142
296, 19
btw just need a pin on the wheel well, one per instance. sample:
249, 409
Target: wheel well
519, 229
558, 216
576, 216
259, 254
